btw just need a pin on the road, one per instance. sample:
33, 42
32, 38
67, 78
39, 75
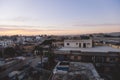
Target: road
14, 67
45, 73
35, 61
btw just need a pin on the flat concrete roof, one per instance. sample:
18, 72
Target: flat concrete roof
93, 49
86, 70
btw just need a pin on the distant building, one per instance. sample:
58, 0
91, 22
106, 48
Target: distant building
21, 40
6, 43
38, 38
27, 48
58, 44
87, 43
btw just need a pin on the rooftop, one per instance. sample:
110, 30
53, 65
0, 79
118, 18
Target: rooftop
93, 49
78, 71
71, 40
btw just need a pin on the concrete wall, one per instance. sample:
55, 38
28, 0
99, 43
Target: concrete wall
78, 43
116, 46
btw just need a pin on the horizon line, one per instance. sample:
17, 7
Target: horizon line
60, 34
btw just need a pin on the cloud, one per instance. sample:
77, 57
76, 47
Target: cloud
36, 30
95, 25
32, 27
22, 19
15, 26
4, 29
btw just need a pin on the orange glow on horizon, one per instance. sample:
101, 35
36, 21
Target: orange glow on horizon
54, 32
37, 32
70, 31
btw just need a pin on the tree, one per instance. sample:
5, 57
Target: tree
48, 42
91, 35
9, 52
18, 50
39, 50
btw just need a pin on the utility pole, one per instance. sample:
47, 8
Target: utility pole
41, 56
3, 52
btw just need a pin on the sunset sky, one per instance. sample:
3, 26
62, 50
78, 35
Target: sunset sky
59, 17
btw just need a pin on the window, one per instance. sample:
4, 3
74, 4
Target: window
112, 59
68, 44
80, 45
84, 45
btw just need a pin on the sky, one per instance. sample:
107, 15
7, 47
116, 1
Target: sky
59, 17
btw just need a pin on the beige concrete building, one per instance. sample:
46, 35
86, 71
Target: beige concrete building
78, 43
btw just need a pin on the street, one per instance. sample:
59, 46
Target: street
33, 62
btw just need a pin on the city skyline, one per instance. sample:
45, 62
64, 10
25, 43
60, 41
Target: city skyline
59, 17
